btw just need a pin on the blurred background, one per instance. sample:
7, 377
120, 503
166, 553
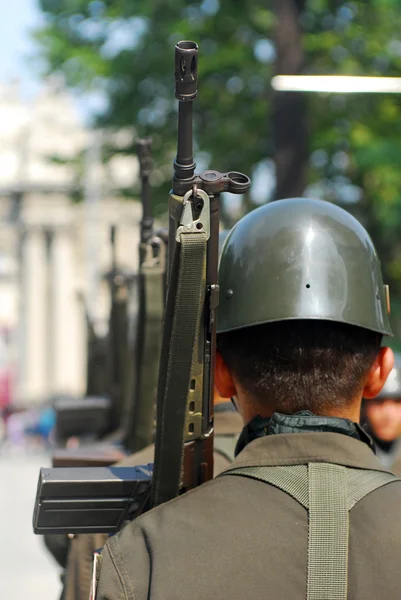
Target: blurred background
79, 82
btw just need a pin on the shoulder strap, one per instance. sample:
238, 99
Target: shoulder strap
184, 307
328, 532
151, 309
361, 483
292, 479
328, 492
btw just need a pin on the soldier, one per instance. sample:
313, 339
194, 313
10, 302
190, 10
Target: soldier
383, 416
77, 579
301, 317
78, 566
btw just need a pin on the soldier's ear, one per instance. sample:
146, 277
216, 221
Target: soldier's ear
378, 373
222, 378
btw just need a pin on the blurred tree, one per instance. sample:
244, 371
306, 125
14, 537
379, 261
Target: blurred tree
289, 114
121, 51
355, 139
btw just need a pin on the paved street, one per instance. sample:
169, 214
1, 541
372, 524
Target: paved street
26, 571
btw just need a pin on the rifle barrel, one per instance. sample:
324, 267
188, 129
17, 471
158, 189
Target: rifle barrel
144, 149
113, 229
186, 82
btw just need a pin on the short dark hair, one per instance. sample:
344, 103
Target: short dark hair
300, 364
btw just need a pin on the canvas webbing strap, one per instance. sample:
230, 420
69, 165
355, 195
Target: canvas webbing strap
118, 346
327, 533
184, 308
152, 272
328, 492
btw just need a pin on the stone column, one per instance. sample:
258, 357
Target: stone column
66, 343
33, 367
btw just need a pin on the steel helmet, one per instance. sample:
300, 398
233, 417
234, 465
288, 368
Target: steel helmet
301, 259
223, 233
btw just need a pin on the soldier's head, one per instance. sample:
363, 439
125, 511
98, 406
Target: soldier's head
383, 413
302, 312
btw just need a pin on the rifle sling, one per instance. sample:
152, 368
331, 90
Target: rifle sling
184, 311
151, 281
328, 492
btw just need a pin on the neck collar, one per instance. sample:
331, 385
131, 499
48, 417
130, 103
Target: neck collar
300, 422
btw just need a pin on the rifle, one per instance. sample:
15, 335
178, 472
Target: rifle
184, 434
184, 425
139, 421
89, 416
97, 358
100, 413
119, 283
136, 374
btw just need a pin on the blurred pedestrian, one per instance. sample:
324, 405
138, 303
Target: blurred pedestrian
383, 419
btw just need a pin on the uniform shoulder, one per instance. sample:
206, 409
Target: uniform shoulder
127, 556
389, 494
194, 505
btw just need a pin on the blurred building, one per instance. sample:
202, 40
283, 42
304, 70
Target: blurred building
54, 249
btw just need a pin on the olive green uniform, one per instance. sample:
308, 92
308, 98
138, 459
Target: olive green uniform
228, 425
239, 538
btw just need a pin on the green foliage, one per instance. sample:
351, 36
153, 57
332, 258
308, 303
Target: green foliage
123, 50
355, 138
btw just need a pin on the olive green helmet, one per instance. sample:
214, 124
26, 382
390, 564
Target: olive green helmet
223, 233
392, 387
301, 259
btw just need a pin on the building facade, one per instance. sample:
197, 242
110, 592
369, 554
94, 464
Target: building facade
54, 249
